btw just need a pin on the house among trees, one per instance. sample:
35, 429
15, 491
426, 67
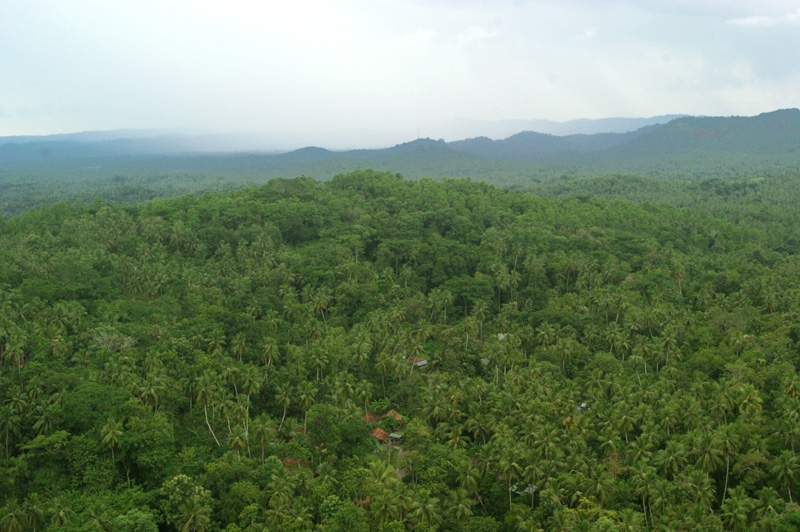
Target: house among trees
418, 362
381, 435
394, 414
371, 418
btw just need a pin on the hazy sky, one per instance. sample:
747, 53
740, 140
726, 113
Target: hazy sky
300, 66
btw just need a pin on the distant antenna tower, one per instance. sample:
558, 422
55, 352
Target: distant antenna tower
417, 133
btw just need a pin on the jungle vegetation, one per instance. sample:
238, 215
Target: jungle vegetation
222, 361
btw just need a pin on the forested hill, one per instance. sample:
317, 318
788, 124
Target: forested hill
768, 134
238, 362
772, 133
133, 170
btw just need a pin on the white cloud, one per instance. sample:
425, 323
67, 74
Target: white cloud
392, 65
761, 21
474, 35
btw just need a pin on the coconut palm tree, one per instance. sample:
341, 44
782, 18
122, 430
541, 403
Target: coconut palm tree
12, 517
306, 396
785, 469
318, 360
736, 510
363, 392
459, 505
195, 515
9, 424
59, 512
263, 432
34, 512
111, 433
237, 440
283, 396
728, 438
425, 509
206, 393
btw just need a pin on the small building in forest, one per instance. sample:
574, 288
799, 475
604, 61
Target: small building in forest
394, 414
369, 417
418, 362
380, 435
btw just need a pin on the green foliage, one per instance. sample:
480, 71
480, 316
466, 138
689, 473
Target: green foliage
135, 521
238, 361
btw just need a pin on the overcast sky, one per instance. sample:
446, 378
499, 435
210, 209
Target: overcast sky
393, 66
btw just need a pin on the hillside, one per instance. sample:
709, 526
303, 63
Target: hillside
772, 133
532, 146
240, 362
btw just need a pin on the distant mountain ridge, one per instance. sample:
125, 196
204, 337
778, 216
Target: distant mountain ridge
685, 145
135, 142
767, 133
529, 145
499, 129
176, 140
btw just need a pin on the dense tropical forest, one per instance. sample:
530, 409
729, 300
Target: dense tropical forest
372, 353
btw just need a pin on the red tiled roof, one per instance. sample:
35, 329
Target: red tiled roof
380, 434
371, 418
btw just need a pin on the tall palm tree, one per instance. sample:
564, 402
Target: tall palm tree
709, 453
533, 474
363, 392
263, 432
631, 521
97, 518
251, 385
195, 516
9, 424
600, 484
459, 505
152, 388
237, 440
786, 470
306, 396
699, 486
239, 346
269, 356
728, 437
59, 512
387, 506
280, 489
206, 393
671, 459
642, 477
283, 396
736, 509
469, 477
34, 512
318, 361
216, 342
343, 388
12, 517
425, 509
111, 433
509, 471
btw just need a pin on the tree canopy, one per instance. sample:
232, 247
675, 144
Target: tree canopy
374, 353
